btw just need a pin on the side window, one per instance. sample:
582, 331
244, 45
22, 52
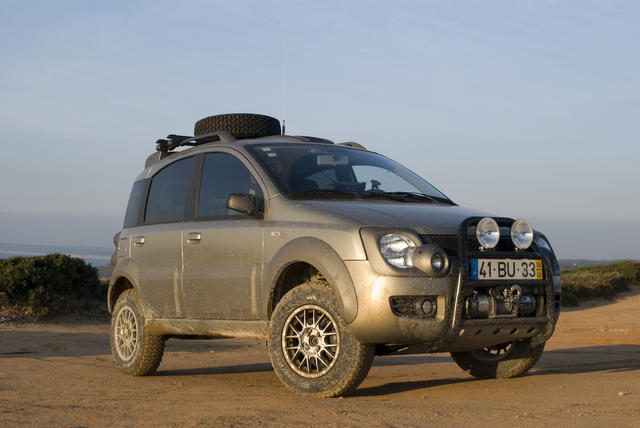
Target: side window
222, 175
136, 202
167, 193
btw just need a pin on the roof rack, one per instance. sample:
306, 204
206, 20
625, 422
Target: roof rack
302, 138
353, 144
174, 141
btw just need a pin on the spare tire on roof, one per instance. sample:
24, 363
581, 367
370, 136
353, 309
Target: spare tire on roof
240, 125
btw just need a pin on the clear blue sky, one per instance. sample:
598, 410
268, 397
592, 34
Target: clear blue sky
523, 109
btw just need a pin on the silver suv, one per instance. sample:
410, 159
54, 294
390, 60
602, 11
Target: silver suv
329, 252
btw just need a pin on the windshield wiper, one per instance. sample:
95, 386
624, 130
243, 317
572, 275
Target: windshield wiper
422, 197
323, 193
384, 195
341, 194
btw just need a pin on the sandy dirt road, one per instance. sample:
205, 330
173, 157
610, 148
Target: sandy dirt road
62, 374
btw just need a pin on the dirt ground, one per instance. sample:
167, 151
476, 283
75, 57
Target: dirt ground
62, 374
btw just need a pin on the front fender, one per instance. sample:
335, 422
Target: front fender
321, 256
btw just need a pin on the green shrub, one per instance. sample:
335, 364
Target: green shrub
568, 299
47, 285
603, 281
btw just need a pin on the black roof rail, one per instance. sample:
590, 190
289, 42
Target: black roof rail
353, 144
302, 138
174, 141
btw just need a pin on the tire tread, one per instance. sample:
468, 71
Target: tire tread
240, 125
152, 346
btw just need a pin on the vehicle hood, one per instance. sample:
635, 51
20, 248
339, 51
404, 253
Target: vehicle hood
425, 219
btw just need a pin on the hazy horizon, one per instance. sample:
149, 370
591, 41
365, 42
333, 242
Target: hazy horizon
522, 109
567, 236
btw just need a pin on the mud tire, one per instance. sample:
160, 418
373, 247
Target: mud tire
519, 360
149, 349
240, 125
353, 359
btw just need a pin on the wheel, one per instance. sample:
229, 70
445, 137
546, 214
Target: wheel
310, 346
135, 351
501, 361
240, 125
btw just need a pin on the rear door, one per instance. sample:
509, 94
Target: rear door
156, 244
223, 248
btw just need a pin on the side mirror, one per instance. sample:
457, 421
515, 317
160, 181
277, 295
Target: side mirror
242, 202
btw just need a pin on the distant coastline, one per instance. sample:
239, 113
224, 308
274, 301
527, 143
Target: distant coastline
96, 256
100, 256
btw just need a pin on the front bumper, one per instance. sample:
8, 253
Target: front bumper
450, 329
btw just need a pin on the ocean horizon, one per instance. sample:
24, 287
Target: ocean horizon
96, 256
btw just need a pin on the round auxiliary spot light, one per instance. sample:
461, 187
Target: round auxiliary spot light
521, 234
437, 262
488, 233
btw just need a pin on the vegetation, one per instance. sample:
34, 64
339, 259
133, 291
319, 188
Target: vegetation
34, 287
602, 281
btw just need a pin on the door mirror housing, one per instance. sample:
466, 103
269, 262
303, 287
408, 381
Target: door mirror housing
242, 202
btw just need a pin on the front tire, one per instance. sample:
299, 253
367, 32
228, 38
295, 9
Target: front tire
501, 361
134, 350
311, 349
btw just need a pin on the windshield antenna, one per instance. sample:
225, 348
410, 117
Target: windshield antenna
284, 78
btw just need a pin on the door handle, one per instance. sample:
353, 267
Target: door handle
138, 241
194, 237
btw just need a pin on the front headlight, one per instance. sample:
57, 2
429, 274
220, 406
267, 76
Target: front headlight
488, 233
521, 234
397, 250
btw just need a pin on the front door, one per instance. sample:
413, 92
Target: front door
222, 249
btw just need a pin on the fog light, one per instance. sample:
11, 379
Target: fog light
427, 307
431, 260
424, 307
437, 262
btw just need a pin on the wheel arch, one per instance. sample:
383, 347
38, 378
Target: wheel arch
116, 287
306, 256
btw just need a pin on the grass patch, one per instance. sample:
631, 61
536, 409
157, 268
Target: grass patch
603, 281
35, 287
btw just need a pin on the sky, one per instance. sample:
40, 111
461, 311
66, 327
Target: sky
527, 109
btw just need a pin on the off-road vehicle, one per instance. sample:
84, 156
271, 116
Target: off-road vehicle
329, 252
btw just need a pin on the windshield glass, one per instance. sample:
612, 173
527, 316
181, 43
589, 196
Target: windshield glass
314, 171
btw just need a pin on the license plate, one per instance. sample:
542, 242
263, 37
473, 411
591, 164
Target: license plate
506, 269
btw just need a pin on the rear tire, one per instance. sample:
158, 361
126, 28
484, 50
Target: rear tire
134, 350
240, 125
499, 362
311, 348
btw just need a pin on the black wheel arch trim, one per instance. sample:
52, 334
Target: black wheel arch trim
322, 257
117, 275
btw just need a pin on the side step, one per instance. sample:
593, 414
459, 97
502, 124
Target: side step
203, 327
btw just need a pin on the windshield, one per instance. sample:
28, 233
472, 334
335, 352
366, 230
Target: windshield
314, 171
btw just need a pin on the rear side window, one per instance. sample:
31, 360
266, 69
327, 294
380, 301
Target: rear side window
133, 217
168, 192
